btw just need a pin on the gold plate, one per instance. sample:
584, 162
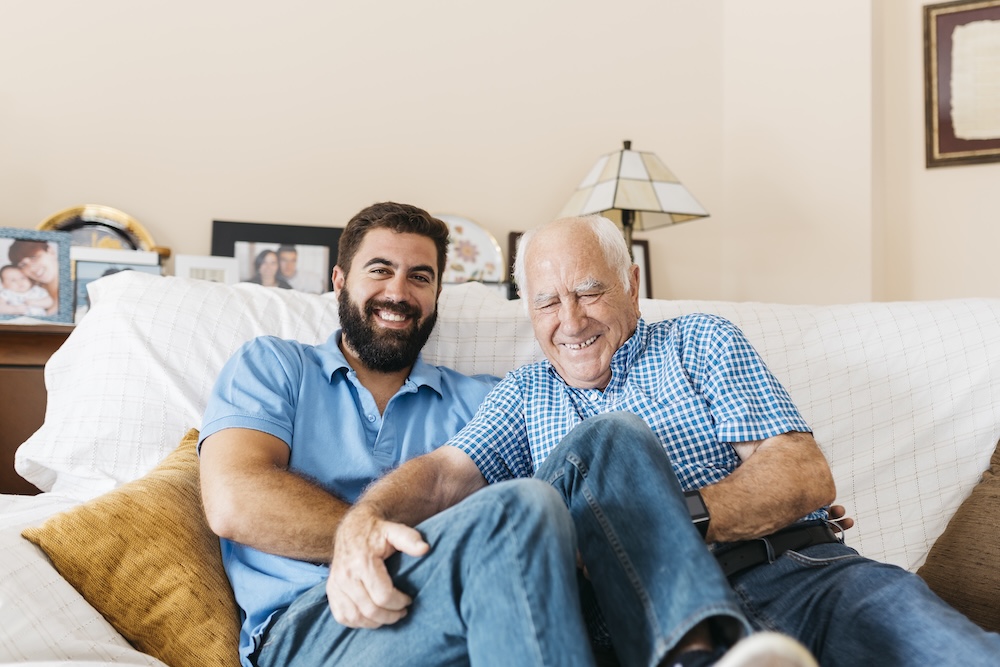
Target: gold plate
94, 225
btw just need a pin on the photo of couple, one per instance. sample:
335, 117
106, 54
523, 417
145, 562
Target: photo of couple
284, 265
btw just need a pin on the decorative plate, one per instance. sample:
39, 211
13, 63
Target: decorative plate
97, 226
473, 253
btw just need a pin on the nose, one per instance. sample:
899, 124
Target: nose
395, 289
572, 317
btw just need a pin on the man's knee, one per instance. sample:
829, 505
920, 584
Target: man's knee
533, 503
604, 434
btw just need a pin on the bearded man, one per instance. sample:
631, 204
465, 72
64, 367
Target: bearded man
293, 433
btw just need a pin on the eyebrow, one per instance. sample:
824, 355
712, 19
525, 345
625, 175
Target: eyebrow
585, 285
425, 268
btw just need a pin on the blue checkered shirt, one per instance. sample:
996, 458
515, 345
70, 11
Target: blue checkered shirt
696, 380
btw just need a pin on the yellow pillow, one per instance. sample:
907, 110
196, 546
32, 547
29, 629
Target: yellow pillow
144, 557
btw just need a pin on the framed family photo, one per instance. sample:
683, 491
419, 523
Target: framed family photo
961, 99
90, 264
35, 276
288, 256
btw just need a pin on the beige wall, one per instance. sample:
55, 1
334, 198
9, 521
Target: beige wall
798, 125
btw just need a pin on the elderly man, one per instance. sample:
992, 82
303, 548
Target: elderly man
292, 433
741, 472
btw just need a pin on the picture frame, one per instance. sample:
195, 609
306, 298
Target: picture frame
640, 255
207, 267
315, 250
90, 264
39, 277
962, 119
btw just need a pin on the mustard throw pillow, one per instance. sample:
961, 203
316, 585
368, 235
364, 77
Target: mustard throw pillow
144, 557
963, 566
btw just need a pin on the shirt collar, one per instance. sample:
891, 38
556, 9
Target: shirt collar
333, 360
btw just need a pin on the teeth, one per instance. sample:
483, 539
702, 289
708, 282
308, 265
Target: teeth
391, 317
580, 346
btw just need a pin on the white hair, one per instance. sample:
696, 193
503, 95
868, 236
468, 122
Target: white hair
608, 236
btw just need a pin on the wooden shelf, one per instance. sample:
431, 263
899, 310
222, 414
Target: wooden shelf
24, 350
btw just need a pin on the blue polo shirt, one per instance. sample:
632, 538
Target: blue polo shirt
309, 397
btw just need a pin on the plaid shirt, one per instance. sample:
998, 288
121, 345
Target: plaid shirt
696, 380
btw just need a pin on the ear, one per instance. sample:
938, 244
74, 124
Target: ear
338, 279
633, 281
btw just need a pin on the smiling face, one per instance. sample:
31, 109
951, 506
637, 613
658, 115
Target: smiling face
579, 309
388, 301
41, 266
13, 278
289, 262
268, 268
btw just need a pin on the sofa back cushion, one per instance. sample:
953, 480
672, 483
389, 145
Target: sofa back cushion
903, 397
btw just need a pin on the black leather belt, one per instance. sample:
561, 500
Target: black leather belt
739, 556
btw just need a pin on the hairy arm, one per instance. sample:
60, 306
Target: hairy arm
782, 479
359, 589
252, 498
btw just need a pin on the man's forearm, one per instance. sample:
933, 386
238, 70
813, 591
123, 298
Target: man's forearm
785, 478
283, 514
422, 487
252, 498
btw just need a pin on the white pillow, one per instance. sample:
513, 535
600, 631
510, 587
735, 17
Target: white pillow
904, 400
136, 372
44, 620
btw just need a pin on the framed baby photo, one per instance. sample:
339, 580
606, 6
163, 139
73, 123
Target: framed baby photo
276, 255
35, 275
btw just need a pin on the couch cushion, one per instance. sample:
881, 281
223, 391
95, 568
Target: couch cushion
138, 369
144, 557
963, 566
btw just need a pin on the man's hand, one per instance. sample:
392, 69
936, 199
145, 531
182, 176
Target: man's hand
838, 515
359, 589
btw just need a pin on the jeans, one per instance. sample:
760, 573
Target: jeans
651, 572
850, 610
498, 588
653, 576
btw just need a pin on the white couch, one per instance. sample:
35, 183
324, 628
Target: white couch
903, 398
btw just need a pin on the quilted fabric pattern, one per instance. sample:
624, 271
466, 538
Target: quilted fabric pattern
903, 397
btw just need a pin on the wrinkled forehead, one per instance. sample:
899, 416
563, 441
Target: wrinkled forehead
565, 263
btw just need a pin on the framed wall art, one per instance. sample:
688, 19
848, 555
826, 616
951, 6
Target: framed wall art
961, 87
35, 275
305, 255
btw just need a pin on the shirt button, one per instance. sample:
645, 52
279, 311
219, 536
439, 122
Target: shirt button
595, 396
371, 418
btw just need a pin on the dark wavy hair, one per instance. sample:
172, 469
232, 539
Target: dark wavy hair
400, 218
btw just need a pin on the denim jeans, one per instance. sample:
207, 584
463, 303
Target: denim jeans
498, 588
653, 576
850, 610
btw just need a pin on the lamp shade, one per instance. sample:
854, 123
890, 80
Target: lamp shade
633, 181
